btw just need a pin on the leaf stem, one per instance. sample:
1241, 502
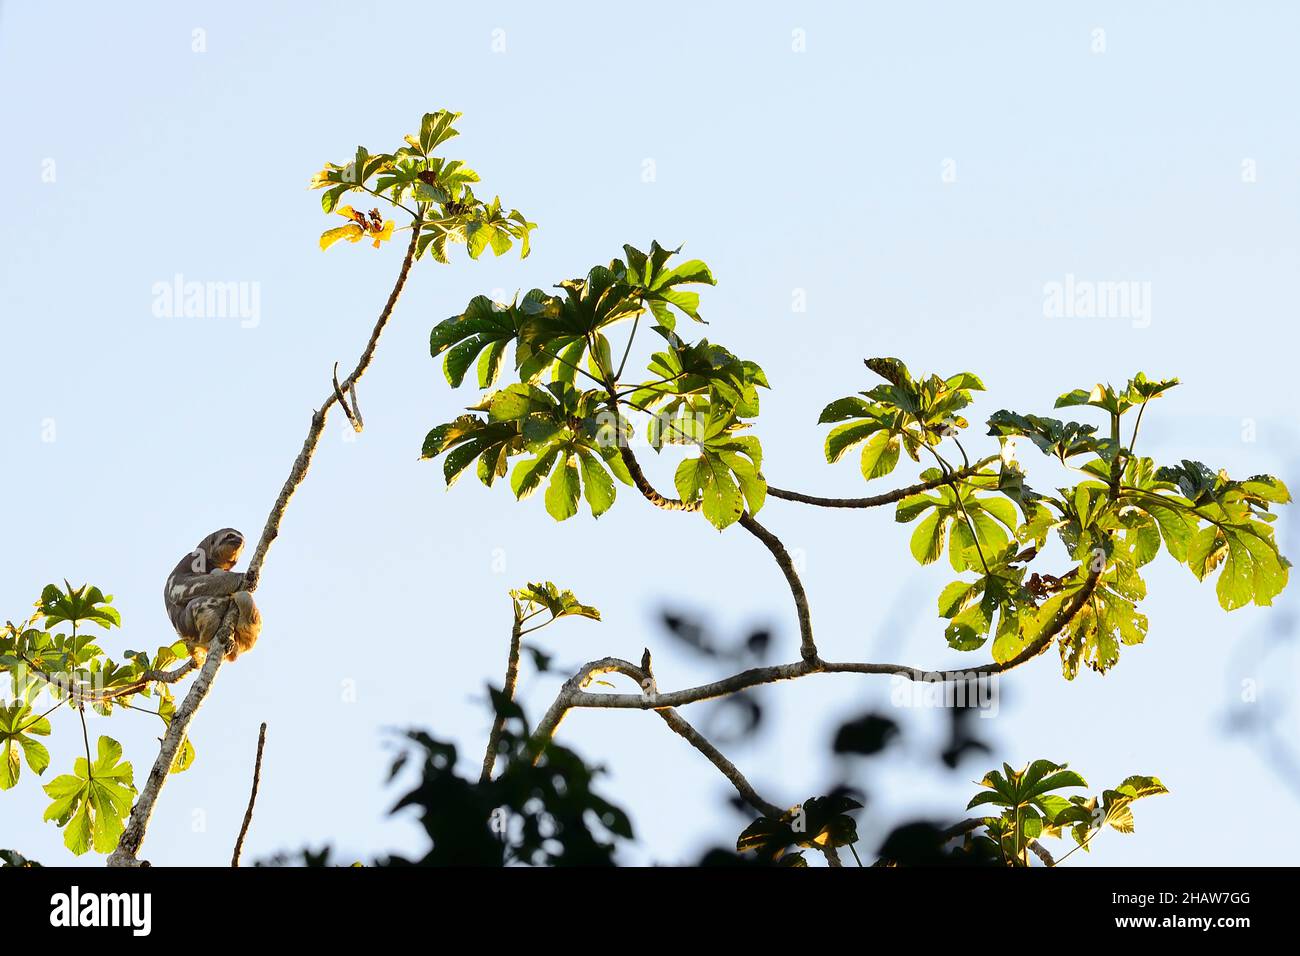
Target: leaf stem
85, 736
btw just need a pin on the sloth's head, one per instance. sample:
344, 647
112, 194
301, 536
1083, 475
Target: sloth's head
222, 548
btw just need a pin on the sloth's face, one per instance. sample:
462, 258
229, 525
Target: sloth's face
225, 552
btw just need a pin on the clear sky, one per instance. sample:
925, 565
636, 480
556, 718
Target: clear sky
917, 173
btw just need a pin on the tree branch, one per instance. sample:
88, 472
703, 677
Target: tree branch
888, 497
133, 835
572, 694
807, 647
252, 797
545, 731
728, 769
499, 721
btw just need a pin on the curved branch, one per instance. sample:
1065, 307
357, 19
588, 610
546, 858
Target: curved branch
572, 695
889, 497
807, 647
545, 731
648, 490
128, 844
719, 760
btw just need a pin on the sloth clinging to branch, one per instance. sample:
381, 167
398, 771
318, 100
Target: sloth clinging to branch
200, 590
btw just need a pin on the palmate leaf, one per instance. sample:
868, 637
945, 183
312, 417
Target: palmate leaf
1117, 804
559, 603
560, 334
1032, 784
1252, 571
470, 437
660, 288
700, 368
993, 517
18, 729
1237, 539
997, 598
1061, 440
339, 179
726, 478
1032, 808
86, 604
448, 209
817, 822
903, 414
1201, 486
572, 440
490, 226
92, 802
464, 218
1139, 391
558, 425
482, 331
1107, 621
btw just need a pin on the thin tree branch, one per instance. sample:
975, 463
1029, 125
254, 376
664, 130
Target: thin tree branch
499, 720
85, 736
573, 695
545, 731
303, 461
729, 770
888, 497
252, 797
133, 835
807, 646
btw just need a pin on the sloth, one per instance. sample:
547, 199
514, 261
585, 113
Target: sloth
201, 588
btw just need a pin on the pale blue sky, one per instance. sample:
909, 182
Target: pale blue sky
818, 171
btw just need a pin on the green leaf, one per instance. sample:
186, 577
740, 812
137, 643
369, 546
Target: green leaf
86, 604
723, 502
562, 492
528, 475
927, 540
879, 455
844, 437
92, 802
904, 414
436, 129
559, 603
597, 485
18, 727
184, 758
1061, 440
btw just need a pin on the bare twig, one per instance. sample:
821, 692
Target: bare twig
133, 835
729, 770
352, 412
252, 797
499, 720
